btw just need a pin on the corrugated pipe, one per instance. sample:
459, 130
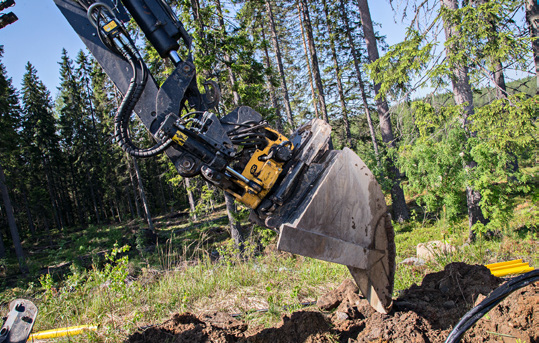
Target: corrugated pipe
62, 332
510, 267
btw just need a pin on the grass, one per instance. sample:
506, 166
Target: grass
123, 290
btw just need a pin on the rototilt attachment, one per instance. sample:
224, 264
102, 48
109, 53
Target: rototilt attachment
19, 321
337, 213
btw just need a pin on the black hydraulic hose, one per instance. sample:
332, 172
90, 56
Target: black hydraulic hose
134, 92
489, 302
121, 120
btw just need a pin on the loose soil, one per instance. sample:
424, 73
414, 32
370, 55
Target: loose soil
424, 313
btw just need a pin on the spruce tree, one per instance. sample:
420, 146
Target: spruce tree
9, 141
41, 150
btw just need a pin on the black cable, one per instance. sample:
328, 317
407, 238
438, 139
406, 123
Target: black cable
489, 302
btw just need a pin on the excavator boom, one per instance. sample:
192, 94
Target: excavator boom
324, 203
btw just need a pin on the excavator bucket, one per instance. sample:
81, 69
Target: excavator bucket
338, 214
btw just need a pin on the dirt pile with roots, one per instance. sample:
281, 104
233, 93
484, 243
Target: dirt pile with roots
424, 313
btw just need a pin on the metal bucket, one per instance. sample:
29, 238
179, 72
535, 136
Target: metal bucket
338, 214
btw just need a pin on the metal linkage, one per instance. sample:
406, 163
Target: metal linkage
19, 321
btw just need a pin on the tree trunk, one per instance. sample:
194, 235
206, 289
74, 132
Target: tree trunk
47, 229
210, 187
78, 204
338, 75
462, 93
532, 17
52, 194
117, 206
271, 89
130, 203
356, 57
92, 196
143, 196
2, 246
314, 59
11, 222
139, 215
497, 74
235, 226
499, 80
315, 103
162, 196
400, 210
229, 200
372, 50
61, 190
190, 198
228, 60
31, 225
277, 51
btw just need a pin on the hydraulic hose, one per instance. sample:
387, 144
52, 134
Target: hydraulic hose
489, 302
121, 119
122, 45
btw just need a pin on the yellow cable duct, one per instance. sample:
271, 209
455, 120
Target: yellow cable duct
509, 267
62, 332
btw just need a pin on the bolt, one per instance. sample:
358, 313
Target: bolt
186, 68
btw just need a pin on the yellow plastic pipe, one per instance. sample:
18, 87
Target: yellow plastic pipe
523, 264
509, 267
500, 264
61, 332
516, 270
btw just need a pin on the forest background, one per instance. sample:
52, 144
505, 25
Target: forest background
466, 149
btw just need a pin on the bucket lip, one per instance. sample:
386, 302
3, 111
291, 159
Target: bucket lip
332, 232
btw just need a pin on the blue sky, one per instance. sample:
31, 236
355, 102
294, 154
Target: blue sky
37, 37
42, 32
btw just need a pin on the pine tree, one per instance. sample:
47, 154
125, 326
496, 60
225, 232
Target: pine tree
338, 75
314, 59
280, 67
399, 207
362, 89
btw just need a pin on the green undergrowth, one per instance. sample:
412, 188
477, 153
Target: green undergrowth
200, 269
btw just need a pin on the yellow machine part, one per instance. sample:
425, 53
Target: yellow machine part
264, 173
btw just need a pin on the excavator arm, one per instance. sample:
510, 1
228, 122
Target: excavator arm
324, 203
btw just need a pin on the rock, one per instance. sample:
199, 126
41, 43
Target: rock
341, 315
413, 261
445, 285
449, 304
480, 297
332, 299
328, 301
430, 250
346, 286
353, 298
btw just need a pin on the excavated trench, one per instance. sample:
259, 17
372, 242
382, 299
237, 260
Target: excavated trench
424, 313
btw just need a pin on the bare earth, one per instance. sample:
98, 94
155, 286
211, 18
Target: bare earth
423, 313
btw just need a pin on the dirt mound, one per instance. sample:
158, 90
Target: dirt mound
424, 313
210, 327
517, 317
444, 297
